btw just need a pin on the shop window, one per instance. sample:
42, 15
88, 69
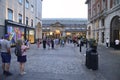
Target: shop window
27, 4
26, 20
20, 18
10, 14
20, 1
103, 22
102, 37
32, 8
31, 22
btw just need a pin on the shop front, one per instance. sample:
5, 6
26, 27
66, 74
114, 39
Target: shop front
30, 34
15, 30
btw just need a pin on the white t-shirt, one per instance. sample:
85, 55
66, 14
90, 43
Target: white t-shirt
107, 40
117, 42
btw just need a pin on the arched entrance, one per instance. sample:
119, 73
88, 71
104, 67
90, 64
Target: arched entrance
114, 30
38, 31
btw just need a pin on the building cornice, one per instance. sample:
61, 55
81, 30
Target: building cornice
105, 12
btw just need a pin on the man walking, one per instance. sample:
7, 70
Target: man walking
6, 55
107, 42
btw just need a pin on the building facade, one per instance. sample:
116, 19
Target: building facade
103, 20
21, 19
62, 27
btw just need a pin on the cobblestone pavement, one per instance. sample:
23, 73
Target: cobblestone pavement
65, 63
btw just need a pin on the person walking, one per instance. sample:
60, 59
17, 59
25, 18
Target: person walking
5, 55
38, 43
23, 57
44, 43
117, 44
52, 43
107, 42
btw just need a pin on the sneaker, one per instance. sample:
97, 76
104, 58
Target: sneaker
4, 72
7, 73
22, 73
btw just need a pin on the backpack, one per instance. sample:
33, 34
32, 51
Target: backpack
18, 51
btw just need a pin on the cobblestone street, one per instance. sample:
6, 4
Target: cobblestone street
65, 63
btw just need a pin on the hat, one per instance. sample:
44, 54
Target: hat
6, 35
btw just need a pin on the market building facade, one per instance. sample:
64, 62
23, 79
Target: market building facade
103, 20
20, 19
63, 27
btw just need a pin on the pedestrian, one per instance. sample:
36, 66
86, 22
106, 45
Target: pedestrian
117, 44
6, 55
38, 43
80, 47
52, 43
23, 57
44, 43
107, 42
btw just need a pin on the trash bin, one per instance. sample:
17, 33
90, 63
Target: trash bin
88, 58
94, 61
91, 59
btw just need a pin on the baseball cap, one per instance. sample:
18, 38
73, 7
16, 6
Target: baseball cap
6, 35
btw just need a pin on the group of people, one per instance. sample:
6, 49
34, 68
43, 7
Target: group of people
50, 42
116, 43
5, 50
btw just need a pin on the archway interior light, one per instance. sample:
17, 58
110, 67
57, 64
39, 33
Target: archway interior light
68, 33
51, 33
57, 31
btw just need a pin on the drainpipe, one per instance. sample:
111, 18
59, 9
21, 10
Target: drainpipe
24, 18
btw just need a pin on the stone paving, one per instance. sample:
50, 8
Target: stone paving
65, 63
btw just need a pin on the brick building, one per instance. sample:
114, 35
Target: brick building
103, 20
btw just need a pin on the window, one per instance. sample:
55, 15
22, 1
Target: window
31, 22
27, 4
20, 18
10, 14
26, 20
20, 1
32, 8
103, 22
102, 37
116, 2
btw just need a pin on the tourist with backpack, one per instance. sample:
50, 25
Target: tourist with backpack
20, 51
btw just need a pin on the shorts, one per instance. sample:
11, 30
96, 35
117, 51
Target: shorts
21, 59
6, 57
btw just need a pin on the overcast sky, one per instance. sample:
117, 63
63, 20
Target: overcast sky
64, 9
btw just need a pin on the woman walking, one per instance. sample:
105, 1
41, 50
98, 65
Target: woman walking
22, 58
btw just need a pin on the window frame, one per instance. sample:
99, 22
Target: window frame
31, 22
20, 18
20, 1
27, 20
27, 4
32, 8
10, 14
